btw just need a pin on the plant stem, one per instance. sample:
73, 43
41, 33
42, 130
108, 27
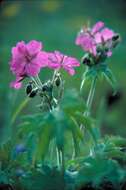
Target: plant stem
18, 110
91, 96
60, 160
63, 161
36, 83
83, 81
54, 75
58, 157
38, 80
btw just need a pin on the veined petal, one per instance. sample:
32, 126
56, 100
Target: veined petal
70, 61
107, 34
33, 47
41, 59
98, 26
21, 46
32, 69
17, 83
59, 56
70, 70
54, 60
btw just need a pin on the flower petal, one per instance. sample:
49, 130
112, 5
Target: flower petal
71, 62
21, 46
17, 83
109, 53
19, 51
107, 34
54, 60
41, 59
98, 38
32, 69
98, 26
70, 70
33, 47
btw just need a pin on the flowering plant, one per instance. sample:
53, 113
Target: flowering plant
38, 157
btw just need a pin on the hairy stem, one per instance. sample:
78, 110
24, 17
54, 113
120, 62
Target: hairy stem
83, 81
38, 80
54, 75
35, 82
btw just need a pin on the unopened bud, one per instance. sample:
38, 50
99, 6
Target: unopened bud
45, 88
86, 60
33, 93
28, 88
115, 40
58, 81
116, 37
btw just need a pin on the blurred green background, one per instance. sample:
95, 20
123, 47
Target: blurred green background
56, 23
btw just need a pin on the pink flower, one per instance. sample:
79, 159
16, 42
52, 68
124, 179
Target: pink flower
58, 60
27, 60
17, 83
88, 38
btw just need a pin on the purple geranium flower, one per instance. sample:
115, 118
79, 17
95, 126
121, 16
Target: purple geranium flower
58, 60
90, 38
27, 60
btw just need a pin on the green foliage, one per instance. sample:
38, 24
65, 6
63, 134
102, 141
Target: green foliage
44, 178
88, 123
110, 78
112, 147
98, 71
42, 133
97, 168
42, 128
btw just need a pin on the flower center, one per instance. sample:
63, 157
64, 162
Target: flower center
28, 58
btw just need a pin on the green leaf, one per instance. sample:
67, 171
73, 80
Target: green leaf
76, 129
60, 128
45, 178
90, 73
88, 123
43, 143
18, 110
76, 134
96, 169
110, 78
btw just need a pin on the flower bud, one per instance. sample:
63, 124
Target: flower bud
115, 40
57, 81
87, 60
116, 37
28, 88
33, 93
99, 49
45, 88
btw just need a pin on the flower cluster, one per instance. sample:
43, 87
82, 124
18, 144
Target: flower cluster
28, 59
98, 42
